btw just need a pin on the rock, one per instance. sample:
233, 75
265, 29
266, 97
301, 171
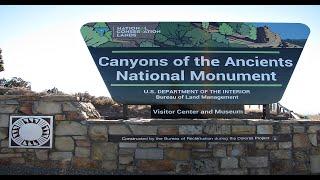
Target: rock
80, 137
109, 165
229, 163
4, 120
7, 108
118, 130
143, 130
313, 129
19, 150
16, 155
190, 129
156, 165
258, 153
4, 162
300, 156
60, 156
259, 171
256, 162
201, 153
104, 151
260, 145
50, 108
28, 98
70, 128
98, 132
238, 129
313, 139
301, 167
219, 151
89, 110
147, 145
238, 150
298, 129
265, 35
42, 154
64, 144
154, 153
76, 116
315, 163
128, 145
126, 151
301, 141
59, 117
315, 151
177, 154
59, 98
281, 129
12, 102
3, 133
170, 145
84, 163
83, 143
130, 168
69, 106
4, 143
229, 149
7, 150
194, 145
281, 167
233, 172
285, 145
125, 159
17, 160
264, 129
183, 167
280, 154
168, 131
82, 152
26, 108
271, 145
204, 166
217, 129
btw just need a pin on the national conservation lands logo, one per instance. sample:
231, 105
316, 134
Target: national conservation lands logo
132, 31
30, 131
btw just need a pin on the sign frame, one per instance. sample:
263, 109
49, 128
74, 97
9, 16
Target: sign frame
45, 125
110, 44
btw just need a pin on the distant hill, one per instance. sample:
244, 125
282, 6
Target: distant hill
299, 42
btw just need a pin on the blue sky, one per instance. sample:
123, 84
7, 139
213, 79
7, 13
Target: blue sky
43, 44
288, 31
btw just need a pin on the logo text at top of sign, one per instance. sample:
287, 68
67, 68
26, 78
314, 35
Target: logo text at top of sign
195, 62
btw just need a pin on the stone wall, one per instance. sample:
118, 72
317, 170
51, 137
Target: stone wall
82, 143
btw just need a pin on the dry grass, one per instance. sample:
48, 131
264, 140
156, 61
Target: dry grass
16, 91
314, 116
103, 101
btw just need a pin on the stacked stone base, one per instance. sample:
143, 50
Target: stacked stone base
84, 144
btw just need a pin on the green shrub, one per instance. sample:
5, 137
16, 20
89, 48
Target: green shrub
148, 44
219, 38
93, 38
226, 29
17, 82
205, 25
